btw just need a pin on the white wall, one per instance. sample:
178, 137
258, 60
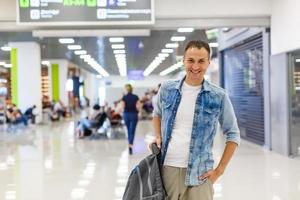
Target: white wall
285, 26
29, 75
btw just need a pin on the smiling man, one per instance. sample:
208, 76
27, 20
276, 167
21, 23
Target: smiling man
186, 117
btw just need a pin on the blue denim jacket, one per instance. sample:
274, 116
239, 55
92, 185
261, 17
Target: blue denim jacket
212, 105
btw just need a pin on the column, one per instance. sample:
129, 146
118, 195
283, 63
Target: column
26, 76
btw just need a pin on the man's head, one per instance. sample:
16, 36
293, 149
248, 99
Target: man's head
196, 61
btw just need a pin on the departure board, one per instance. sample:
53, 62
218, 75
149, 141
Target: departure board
85, 12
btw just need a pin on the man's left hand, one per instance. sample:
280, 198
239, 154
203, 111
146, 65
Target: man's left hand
212, 175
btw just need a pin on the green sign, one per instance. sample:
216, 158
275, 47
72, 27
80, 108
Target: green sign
91, 3
24, 3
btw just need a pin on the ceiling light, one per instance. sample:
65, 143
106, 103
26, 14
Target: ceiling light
80, 52
297, 60
120, 55
74, 47
167, 50
2, 63
117, 46
163, 55
85, 56
116, 39
6, 48
172, 45
45, 62
8, 65
171, 69
119, 51
185, 30
66, 40
177, 38
213, 44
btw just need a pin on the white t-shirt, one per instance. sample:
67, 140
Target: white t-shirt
178, 149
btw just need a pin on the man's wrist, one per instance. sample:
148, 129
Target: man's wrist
220, 170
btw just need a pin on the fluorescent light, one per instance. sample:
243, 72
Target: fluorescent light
167, 50
172, 45
80, 52
171, 69
297, 60
177, 38
185, 30
66, 40
116, 39
117, 46
45, 62
2, 63
213, 44
74, 47
163, 55
6, 48
85, 56
120, 55
119, 51
8, 65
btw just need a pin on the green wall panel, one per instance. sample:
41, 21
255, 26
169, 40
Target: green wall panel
14, 75
55, 81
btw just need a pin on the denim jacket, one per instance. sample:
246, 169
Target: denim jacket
212, 106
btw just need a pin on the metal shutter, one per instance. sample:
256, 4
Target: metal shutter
242, 70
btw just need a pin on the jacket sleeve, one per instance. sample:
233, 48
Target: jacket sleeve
228, 121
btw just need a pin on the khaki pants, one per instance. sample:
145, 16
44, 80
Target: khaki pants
174, 179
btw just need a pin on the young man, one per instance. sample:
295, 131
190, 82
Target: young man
185, 121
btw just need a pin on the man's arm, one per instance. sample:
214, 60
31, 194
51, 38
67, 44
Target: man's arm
157, 130
214, 174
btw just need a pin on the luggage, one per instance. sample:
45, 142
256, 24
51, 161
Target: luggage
145, 181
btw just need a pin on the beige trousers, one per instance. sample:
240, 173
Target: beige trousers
174, 179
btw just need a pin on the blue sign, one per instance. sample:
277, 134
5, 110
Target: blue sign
135, 75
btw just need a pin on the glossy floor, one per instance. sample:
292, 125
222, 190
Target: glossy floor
47, 162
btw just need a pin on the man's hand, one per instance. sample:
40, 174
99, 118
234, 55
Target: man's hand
157, 141
212, 175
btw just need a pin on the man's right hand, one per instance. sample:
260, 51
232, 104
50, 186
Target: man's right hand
158, 143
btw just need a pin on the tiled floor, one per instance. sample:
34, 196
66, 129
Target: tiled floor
47, 162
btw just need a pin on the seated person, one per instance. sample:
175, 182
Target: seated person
15, 116
94, 121
30, 113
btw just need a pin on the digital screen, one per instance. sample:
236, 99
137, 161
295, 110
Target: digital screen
85, 12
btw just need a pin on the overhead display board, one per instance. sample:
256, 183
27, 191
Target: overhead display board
85, 12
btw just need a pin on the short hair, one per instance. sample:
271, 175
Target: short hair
128, 87
198, 44
96, 107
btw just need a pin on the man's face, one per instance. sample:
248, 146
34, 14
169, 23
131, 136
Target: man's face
196, 62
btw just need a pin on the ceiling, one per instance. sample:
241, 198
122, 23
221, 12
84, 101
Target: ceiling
140, 50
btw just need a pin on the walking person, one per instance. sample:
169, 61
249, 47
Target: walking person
186, 116
131, 107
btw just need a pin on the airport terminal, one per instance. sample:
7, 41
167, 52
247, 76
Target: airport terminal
83, 83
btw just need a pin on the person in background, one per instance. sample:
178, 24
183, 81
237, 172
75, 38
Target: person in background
30, 113
185, 119
89, 122
131, 107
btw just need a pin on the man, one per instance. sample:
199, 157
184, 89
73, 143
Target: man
185, 123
